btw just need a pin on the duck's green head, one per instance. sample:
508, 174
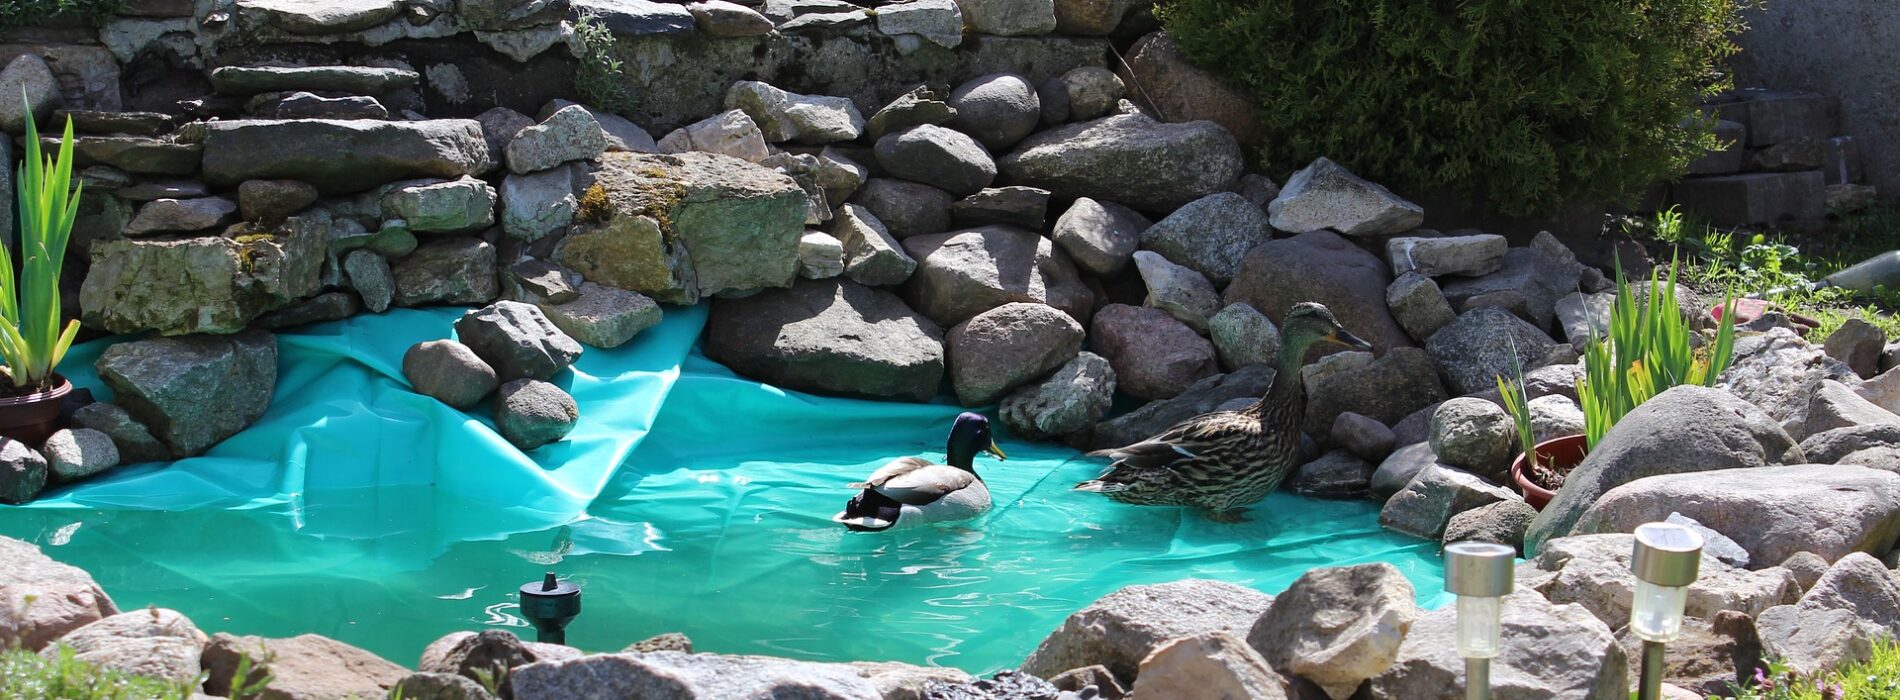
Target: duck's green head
971, 435
1309, 324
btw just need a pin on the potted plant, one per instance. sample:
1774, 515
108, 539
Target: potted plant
1649, 348
32, 340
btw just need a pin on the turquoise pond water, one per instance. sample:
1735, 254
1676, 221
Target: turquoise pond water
686, 500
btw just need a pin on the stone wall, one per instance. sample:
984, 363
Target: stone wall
1842, 48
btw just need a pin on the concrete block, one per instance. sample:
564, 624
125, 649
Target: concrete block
1843, 161
1754, 198
1774, 116
1732, 136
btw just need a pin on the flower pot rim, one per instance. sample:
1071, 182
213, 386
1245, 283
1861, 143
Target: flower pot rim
1523, 479
57, 391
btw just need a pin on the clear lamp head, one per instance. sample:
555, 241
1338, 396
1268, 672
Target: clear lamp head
1667, 560
1480, 574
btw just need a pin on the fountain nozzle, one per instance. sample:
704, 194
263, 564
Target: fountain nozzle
550, 604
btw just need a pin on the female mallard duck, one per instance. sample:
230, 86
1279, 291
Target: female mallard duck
1227, 460
910, 491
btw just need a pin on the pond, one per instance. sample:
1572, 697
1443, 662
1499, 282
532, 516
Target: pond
686, 500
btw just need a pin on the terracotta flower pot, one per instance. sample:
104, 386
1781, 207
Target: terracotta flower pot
31, 418
1562, 454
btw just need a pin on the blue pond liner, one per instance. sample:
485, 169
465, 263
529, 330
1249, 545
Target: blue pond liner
687, 499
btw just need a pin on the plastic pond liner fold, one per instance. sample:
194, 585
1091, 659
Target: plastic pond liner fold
687, 499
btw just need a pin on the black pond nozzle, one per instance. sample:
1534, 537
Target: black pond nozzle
549, 604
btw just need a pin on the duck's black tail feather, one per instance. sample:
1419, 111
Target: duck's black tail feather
869, 511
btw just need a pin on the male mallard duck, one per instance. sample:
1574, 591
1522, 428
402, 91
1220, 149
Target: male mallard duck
1227, 460
910, 491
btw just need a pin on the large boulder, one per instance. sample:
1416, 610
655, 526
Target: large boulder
730, 133
28, 75
829, 336
1683, 430
1438, 493
787, 116
1326, 196
449, 372
1438, 256
1124, 627
154, 643
1130, 159
603, 316
939, 157
1484, 344
193, 391
448, 206
998, 109
1772, 512
963, 273
1183, 293
1536, 275
907, 208
1337, 626
1005, 347
569, 134
1475, 435
1243, 336
1781, 373
1551, 651
1594, 571
1835, 406
1838, 620
305, 667
1068, 401
205, 284
457, 270
672, 675
1155, 356
132, 439
42, 600
1710, 657
1009, 17
1100, 236
1210, 235
1418, 305
517, 340
1203, 396
871, 255
1387, 390
1209, 665
76, 453
468, 654
1323, 267
342, 156
530, 413
738, 223
1169, 82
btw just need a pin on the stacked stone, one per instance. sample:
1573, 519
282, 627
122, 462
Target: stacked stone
1783, 162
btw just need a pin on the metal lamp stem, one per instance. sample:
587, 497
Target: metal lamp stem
1651, 688
1477, 679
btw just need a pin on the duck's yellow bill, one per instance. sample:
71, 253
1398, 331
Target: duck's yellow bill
998, 451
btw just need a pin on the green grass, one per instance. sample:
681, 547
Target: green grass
1716, 260
1876, 679
24, 674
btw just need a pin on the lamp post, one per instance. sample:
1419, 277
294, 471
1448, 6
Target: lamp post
1480, 574
1667, 560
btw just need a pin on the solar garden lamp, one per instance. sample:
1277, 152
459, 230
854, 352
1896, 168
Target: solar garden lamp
1667, 560
549, 604
1480, 574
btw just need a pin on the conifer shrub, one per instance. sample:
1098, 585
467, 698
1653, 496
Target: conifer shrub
1523, 105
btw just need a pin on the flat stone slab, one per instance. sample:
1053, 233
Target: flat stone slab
358, 80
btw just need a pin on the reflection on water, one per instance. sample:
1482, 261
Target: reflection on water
741, 558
